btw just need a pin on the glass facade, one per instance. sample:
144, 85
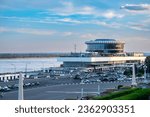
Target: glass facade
105, 46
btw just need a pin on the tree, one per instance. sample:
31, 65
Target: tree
138, 71
128, 72
147, 63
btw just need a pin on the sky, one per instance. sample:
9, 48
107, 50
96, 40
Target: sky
59, 25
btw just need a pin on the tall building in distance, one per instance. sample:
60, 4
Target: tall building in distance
102, 52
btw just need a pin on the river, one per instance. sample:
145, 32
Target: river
27, 64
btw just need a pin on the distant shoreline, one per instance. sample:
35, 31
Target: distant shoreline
37, 55
30, 55
24, 57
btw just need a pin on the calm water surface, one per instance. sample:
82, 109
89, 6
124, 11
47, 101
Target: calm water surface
29, 64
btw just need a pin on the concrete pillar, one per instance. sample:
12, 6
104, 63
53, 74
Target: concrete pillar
98, 90
133, 76
145, 80
81, 92
20, 89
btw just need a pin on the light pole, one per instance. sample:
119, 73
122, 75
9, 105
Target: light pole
26, 69
81, 92
43, 67
145, 68
20, 89
14, 67
98, 89
133, 75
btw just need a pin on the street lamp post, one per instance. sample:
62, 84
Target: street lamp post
26, 69
98, 89
14, 67
133, 75
81, 92
20, 89
145, 68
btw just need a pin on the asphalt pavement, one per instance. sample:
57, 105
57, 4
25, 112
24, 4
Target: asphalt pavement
64, 91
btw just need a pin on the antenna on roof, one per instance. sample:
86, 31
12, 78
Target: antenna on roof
75, 48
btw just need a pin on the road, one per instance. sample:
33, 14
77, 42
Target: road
43, 81
63, 91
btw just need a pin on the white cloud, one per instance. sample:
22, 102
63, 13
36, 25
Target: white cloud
68, 8
110, 25
93, 35
68, 33
27, 31
112, 14
137, 28
46, 20
86, 10
35, 31
69, 20
88, 36
137, 8
143, 25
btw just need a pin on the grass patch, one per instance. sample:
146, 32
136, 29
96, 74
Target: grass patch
142, 94
116, 94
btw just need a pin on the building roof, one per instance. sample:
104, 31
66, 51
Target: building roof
104, 41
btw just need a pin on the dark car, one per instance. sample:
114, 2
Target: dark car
104, 80
112, 79
5, 89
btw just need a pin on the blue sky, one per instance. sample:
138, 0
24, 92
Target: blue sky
57, 25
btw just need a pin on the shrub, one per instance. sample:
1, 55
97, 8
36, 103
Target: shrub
142, 94
115, 94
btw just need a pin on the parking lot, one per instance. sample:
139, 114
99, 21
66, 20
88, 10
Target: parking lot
58, 86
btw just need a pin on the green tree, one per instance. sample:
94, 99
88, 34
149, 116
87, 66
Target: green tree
128, 72
147, 62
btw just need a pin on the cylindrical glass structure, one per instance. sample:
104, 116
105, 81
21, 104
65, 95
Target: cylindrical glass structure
105, 46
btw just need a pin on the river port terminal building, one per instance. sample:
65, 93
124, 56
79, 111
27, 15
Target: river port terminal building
102, 52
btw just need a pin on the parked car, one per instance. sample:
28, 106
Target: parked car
104, 80
15, 86
37, 83
112, 79
5, 89
128, 79
27, 84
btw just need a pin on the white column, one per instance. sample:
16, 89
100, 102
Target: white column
20, 90
133, 75
145, 80
98, 90
81, 92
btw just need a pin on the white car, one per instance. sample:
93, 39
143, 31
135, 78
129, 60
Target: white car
5, 80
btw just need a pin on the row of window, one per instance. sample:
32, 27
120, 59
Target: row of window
105, 47
8, 78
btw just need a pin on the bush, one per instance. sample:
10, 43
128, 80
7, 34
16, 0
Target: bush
119, 86
115, 94
142, 94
